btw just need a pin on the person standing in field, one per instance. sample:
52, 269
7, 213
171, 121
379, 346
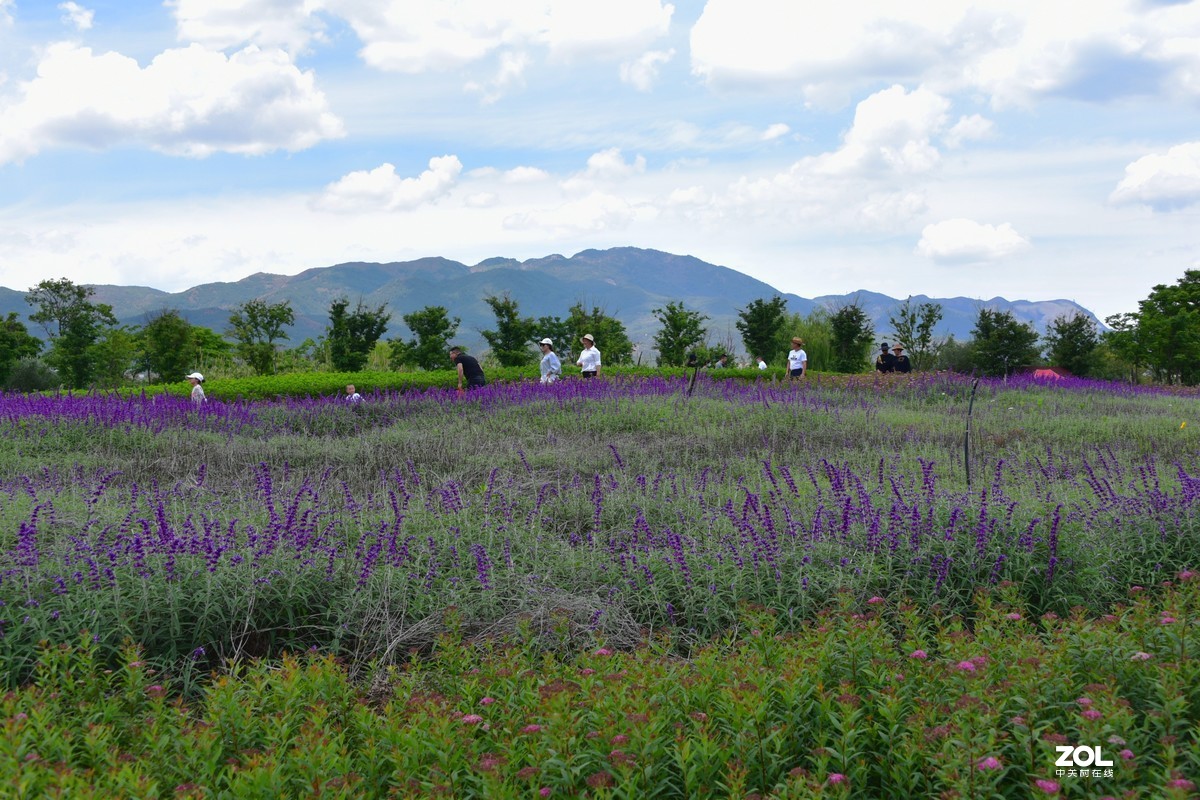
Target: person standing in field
551, 366
761, 364
900, 362
885, 361
198, 397
468, 369
352, 396
797, 360
589, 358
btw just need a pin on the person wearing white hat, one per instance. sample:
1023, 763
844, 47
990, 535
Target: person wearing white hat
589, 358
198, 397
551, 365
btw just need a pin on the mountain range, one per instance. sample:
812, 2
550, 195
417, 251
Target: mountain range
625, 282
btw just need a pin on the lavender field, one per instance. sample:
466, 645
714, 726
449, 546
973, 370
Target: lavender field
583, 512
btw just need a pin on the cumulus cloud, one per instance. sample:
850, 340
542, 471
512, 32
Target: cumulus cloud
222, 24
606, 166
190, 101
595, 212
525, 175
892, 131
964, 241
381, 189
1163, 181
402, 36
76, 15
1015, 51
6, 7
642, 72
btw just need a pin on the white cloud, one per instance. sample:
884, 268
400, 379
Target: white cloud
509, 73
403, 36
482, 200
222, 24
964, 241
77, 16
891, 132
6, 7
1014, 50
381, 189
775, 131
968, 129
892, 209
606, 166
189, 101
642, 72
1163, 181
595, 212
525, 175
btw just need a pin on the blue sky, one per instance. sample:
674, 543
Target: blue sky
1023, 148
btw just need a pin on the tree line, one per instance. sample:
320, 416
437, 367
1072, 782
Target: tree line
86, 346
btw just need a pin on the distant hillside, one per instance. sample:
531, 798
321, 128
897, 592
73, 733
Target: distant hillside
626, 282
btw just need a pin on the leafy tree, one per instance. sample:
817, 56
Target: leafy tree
1000, 343
16, 343
167, 349
1071, 342
433, 328
353, 334
852, 336
256, 326
74, 325
116, 355
955, 356
762, 324
31, 375
1168, 323
512, 341
681, 331
913, 327
1124, 342
611, 338
208, 348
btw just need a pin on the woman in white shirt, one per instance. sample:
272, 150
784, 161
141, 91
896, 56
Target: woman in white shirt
589, 359
797, 360
197, 390
551, 365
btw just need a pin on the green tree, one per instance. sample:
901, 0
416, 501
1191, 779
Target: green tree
116, 353
611, 338
74, 325
762, 324
167, 349
256, 326
852, 337
1071, 341
352, 334
913, 327
16, 343
208, 349
433, 328
1124, 342
1000, 343
1168, 324
681, 331
512, 341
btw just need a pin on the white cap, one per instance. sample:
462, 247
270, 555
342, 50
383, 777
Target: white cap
548, 341
588, 336
197, 376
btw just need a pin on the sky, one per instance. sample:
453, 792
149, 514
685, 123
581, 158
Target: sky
1027, 149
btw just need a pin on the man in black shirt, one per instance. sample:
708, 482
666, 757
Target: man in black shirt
900, 361
885, 361
468, 368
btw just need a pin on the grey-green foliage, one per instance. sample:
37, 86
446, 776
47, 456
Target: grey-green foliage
31, 375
